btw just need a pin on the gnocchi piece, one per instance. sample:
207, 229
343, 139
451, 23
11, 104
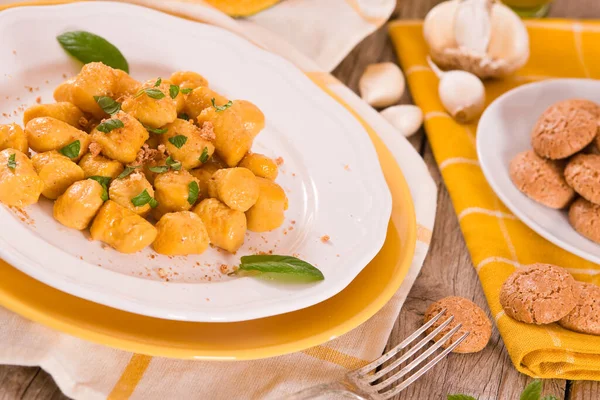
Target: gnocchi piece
172, 191
122, 229
121, 191
47, 133
188, 79
78, 205
20, 185
236, 187
200, 99
153, 141
122, 144
152, 111
203, 175
268, 212
260, 165
180, 233
95, 79
100, 166
125, 85
57, 171
186, 143
63, 111
13, 137
232, 140
254, 119
226, 227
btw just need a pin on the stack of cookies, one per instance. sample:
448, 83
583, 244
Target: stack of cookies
542, 294
563, 169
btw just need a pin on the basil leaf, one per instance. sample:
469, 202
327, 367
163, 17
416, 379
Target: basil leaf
280, 265
12, 161
155, 93
108, 105
87, 48
126, 172
193, 192
104, 181
173, 91
110, 125
158, 131
533, 391
178, 141
186, 91
144, 198
460, 397
223, 107
204, 155
151, 92
158, 82
72, 149
159, 169
174, 165
184, 116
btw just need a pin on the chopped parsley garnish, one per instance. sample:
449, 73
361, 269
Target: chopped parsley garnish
158, 82
173, 164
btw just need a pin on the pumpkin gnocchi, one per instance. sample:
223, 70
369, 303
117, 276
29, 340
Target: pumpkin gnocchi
171, 152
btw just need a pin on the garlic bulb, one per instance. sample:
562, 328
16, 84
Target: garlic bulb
406, 118
483, 37
462, 93
382, 84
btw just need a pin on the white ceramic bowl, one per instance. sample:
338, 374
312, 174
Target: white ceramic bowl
504, 131
331, 172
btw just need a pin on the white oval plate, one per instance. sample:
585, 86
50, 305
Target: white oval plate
504, 131
331, 172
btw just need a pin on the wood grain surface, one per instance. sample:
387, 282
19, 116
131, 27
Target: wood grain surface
488, 375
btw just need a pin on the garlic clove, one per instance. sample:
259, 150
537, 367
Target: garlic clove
406, 118
382, 84
462, 95
451, 47
473, 25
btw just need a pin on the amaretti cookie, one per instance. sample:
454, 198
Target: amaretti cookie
586, 105
539, 294
467, 313
585, 317
585, 218
541, 179
583, 174
563, 129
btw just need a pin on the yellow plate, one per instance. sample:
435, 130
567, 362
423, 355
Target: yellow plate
267, 337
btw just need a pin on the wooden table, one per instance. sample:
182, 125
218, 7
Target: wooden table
447, 270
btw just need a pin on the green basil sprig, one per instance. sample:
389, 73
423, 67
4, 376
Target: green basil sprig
144, 198
178, 140
110, 125
204, 155
127, 171
223, 107
104, 181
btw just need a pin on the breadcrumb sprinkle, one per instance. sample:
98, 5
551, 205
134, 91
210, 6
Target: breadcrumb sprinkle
325, 238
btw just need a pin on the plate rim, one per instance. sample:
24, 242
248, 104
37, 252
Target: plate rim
205, 316
489, 174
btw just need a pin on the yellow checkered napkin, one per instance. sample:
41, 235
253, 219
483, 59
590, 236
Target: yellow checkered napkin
497, 240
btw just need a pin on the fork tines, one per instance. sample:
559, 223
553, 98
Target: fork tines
367, 377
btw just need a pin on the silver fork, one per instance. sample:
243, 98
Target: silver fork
362, 384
